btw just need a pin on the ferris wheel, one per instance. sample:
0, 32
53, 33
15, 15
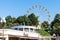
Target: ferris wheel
40, 11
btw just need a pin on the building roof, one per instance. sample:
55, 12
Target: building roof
24, 27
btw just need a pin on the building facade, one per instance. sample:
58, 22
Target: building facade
19, 33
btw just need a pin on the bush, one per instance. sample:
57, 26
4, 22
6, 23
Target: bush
42, 32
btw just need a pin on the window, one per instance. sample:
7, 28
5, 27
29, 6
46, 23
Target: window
16, 28
31, 29
21, 29
26, 29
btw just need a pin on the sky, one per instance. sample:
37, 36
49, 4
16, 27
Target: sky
17, 8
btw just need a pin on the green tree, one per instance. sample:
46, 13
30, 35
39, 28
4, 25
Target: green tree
13, 19
55, 24
0, 18
45, 24
23, 20
33, 19
9, 21
0, 23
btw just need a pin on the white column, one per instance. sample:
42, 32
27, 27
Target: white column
23, 29
29, 29
33, 30
7, 37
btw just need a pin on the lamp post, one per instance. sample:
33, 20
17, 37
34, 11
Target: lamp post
3, 22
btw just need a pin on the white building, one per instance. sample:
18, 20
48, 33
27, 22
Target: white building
19, 33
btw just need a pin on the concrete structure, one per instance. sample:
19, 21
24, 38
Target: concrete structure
19, 33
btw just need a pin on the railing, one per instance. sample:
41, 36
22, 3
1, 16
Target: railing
49, 38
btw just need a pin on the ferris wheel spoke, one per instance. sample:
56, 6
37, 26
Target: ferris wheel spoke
39, 6
42, 7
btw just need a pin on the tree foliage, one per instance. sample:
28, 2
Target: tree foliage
56, 21
33, 19
23, 20
10, 21
30, 20
45, 24
55, 24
